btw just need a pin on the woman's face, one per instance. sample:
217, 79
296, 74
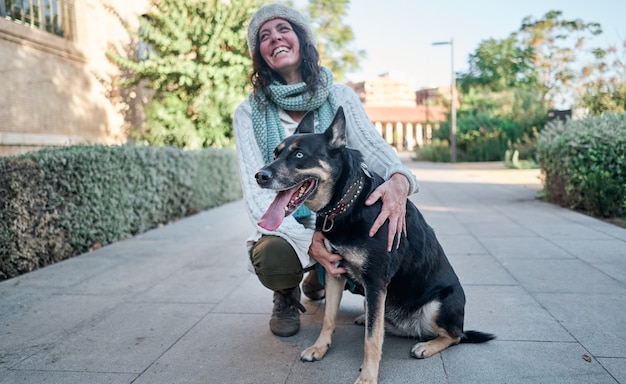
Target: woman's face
280, 48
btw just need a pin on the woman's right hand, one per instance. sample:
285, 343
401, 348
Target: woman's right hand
319, 253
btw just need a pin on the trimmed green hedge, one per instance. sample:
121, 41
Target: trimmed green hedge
57, 203
584, 164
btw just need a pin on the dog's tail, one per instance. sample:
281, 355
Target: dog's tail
476, 337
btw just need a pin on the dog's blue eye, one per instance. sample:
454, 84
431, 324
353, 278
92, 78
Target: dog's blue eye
299, 155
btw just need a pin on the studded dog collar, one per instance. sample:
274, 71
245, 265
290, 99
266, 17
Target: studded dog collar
342, 205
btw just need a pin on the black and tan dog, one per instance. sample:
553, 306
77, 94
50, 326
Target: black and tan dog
411, 291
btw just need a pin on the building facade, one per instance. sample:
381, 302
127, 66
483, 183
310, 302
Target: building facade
59, 87
404, 117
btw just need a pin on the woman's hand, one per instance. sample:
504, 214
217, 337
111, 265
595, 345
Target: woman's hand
319, 253
393, 193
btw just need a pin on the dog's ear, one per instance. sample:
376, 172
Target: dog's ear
307, 124
336, 132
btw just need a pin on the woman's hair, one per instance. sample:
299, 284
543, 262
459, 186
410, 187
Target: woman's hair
263, 76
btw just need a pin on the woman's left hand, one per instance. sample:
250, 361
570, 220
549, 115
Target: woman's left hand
393, 193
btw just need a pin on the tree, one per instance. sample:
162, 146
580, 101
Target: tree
541, 55
499, 64
334, 37
197, 65
604, 87
555, 44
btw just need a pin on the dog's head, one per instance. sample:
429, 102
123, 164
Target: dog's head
301, 172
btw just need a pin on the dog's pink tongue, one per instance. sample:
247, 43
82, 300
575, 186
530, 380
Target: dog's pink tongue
273, 217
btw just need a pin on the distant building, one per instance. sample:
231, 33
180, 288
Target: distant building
431, 96
396, 113
385, 91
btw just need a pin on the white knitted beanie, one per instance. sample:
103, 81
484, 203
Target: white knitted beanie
276, 11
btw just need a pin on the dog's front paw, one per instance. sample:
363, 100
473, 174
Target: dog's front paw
314, 353
420, 351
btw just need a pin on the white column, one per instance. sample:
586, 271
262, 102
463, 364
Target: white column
419, 135
389, 133
410, 139
399, 136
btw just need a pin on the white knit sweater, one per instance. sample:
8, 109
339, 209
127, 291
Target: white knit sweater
360, 133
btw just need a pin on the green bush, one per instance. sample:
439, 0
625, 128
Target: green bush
61, 202
481, 145
438, 151
584, 163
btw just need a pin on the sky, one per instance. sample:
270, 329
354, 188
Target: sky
397, 35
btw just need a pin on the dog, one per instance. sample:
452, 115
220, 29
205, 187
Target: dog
411, 291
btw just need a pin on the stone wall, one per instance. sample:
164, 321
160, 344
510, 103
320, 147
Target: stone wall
58, 92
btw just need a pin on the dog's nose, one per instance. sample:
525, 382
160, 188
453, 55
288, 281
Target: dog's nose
263, 176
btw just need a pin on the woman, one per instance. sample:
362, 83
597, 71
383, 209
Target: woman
288, 81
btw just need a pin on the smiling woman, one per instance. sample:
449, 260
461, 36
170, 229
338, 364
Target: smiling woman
287, 83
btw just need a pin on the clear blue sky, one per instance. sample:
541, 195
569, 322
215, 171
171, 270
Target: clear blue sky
397, 34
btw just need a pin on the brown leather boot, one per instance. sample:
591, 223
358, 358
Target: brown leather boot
285, 320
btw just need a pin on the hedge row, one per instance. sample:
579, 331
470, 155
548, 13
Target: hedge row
584, 163
57, 203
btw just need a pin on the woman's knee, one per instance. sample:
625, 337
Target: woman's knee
276, 263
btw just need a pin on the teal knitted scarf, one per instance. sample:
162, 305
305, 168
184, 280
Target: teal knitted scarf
269, 131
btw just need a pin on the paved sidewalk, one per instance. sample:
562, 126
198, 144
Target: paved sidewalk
177, 305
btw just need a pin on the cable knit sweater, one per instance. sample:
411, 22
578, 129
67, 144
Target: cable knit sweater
361, 135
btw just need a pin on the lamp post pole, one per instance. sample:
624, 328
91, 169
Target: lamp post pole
452, 100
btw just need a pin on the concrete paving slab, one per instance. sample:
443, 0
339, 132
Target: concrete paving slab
480, 270
616, 367
188, 285
596, 321
147, 329
568, 230
37, 324
511, 313
225, 348
561, 276
498, 229
17, 376
524, 247
609, 256
523, 362
461, 244
63, 274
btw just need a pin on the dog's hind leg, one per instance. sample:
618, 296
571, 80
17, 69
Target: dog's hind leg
334, 291
374, 334
436, 345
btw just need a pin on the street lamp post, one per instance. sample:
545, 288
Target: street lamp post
452, 100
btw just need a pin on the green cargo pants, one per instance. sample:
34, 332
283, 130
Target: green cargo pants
276, 263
